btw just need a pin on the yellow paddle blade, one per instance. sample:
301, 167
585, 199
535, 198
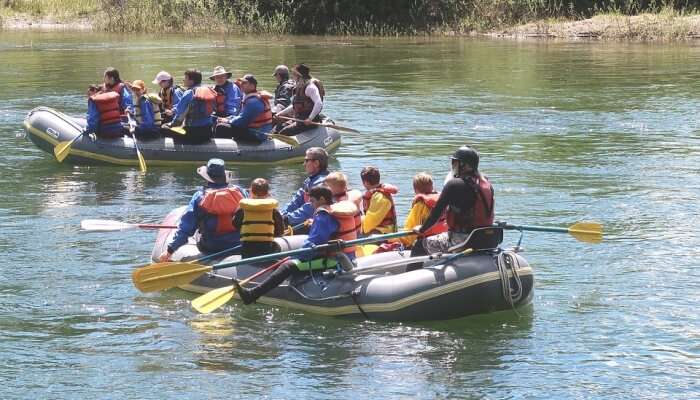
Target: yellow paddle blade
589, 232
142, 162
163, 276
285, 139
62, 150
178, 129
214, 299
365, 250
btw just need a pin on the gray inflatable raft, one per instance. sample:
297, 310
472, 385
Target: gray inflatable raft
46, 127
380, 287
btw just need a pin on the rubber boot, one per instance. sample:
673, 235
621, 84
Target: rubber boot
281, 273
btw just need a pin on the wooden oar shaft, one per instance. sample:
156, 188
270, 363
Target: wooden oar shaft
372, 239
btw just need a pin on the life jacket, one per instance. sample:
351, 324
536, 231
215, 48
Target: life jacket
265, 117
430, 200
301, 103
220, 204
118, 88
110, 116
221, 99
203, 104
258, 223
483, 212
155, 107
349, 222
167, 95
387, 190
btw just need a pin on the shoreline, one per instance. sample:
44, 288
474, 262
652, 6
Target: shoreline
662, 26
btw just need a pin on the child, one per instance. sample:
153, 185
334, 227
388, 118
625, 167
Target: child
378, 203
147, 114
338, 183
423, 202
259, 221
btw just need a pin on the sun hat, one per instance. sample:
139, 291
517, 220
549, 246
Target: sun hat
215, 171
219, 70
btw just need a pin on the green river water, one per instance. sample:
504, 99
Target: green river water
567, 132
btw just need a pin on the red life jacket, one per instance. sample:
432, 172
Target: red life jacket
203, 103
483, 212
118, 88
430, 200
222, 204
265, 117
108, 105
301, 103
387, 190
349, 221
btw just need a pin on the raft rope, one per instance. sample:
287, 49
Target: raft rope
507, 260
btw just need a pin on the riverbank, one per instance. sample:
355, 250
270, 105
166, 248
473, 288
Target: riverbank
665, 25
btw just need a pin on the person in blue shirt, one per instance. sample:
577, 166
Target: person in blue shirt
210, 211
147, 114
255, 120
194, 110
299, 209
228, 95
325, 227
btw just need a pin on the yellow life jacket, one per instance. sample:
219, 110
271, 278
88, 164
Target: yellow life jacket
155, 106
258, 223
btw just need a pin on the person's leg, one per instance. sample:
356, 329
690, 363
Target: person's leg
195, 135
244, 135
223, 131
295, 129
254, 249
430, 245
275, 279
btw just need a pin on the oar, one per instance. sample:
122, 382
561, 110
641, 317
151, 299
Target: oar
161, 276
132, 128
589, 232
290, 140
62, 149
106, 225
216, 298
179, 129
336, 127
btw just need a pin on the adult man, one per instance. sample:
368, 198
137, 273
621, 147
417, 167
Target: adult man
195, 108
210, 211
331, 221
284, 90
469, 200
299, 209
307, 102
228, 95
255, 119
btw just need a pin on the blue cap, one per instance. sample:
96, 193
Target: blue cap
215, 171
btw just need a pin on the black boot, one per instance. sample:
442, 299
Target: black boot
243, 293
281, 273
417, 251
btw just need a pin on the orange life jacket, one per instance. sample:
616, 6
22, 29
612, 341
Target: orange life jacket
483, 212
430, 200
265, 117
108, 105
349, 221
387, 190
301, 103
203, 103
118, 88
222, 204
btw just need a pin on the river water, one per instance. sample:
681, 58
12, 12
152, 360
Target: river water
567, 132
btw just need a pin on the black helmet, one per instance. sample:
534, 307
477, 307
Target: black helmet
467, 155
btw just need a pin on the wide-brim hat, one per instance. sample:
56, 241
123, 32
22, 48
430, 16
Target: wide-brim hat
219, 70
215, 171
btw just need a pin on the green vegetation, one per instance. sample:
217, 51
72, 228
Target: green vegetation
359, 17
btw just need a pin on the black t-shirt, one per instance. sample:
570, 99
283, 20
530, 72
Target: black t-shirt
459, 194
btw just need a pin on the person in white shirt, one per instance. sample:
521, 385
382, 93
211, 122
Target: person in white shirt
307, 102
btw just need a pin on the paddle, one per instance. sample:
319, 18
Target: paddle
216, 298
132, 129
290, 140
179, 129
163, 276
589, 232
62, 149
105, 225
336, 127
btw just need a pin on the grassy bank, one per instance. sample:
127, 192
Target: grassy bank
627, 19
